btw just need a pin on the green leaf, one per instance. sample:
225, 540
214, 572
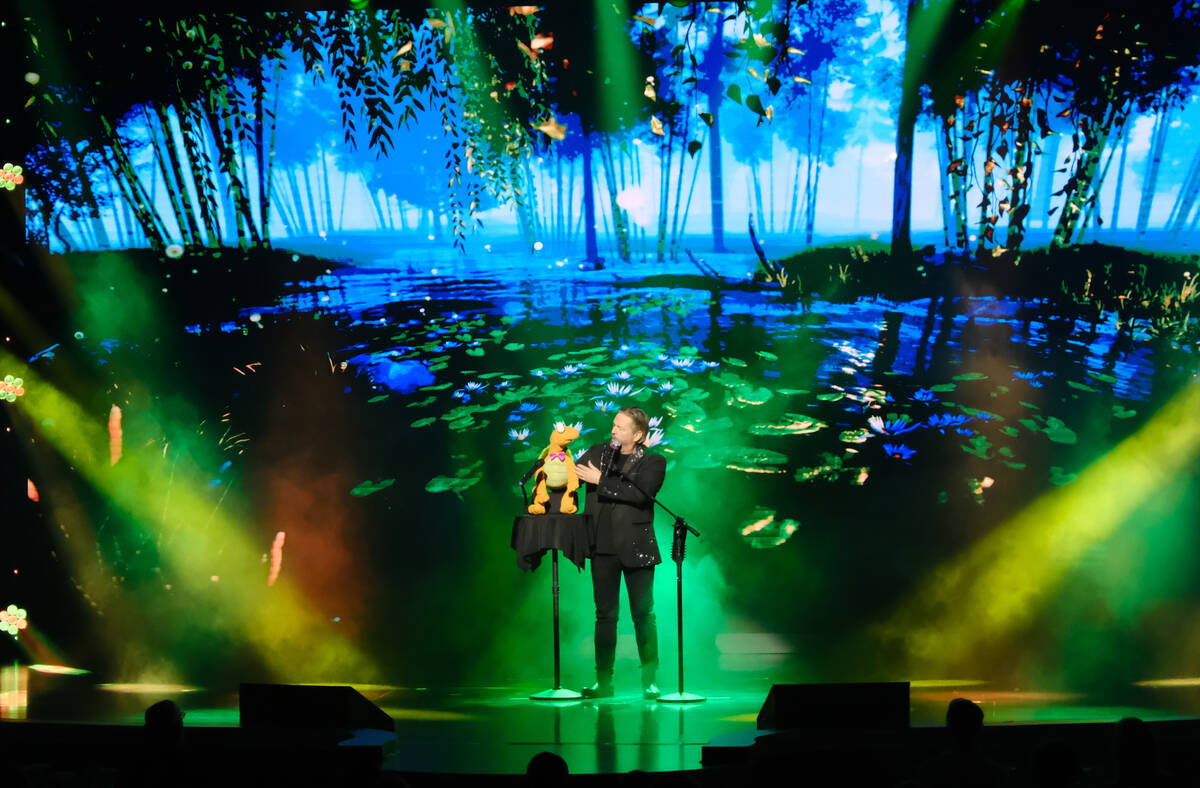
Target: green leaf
1103, 378
733, 362
379, 398
734, 92
1081, 386
514, 346
969, 376
832, 396
943, 387
754, 104
767, 355
707, 118
694, 147
1122, 412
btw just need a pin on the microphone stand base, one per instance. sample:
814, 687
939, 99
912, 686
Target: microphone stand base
556, 694
681, 697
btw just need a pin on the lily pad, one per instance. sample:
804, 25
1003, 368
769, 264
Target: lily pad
769, 356
943, 387
1059, 477
733, 362
854, 436
740, 458
424, 422
978, 446
368, 487
970, 376
1059, 432
422, 403
379, 398
1081, 386
764, 530
464, 479
1100, 376
832, 396
1122, 412
792, 424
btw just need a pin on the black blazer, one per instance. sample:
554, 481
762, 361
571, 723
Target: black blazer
630, 513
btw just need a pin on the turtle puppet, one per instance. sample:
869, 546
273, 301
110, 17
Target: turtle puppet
557, 472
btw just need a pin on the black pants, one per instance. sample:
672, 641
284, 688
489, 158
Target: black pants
639, 584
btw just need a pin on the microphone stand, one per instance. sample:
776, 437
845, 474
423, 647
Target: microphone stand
678, 547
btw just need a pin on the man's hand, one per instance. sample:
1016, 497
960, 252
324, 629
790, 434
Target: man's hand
588, 473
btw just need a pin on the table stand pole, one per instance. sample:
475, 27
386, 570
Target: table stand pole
557, 693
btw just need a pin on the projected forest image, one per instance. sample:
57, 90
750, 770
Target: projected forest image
907, 290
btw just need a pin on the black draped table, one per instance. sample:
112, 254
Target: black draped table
532, 536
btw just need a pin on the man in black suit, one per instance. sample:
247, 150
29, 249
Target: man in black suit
625, 543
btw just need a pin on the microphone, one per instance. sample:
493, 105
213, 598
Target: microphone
614, 444
532, 470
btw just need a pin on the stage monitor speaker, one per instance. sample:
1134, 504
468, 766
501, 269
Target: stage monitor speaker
883, 705
300, 706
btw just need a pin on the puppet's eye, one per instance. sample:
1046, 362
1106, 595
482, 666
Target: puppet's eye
560, 427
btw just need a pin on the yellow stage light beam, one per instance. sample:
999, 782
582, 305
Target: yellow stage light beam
1002, 581
287, 632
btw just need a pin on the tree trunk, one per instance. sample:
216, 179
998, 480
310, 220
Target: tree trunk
92, 208
1076, 191
687, 208
1116, 212
811, 218
591, 253
862, 151
200, 167
678, 199
989, 185
620, 226
328, 194
1187, 197
905, 125
794, 205
1156, 153
133, 191
1021, 174
664, 193
169, 174
1045, 177
260, 153
569, 229
290, 225
716, 183
943, 153
1097, 184
756, 184
228, 156
312, 201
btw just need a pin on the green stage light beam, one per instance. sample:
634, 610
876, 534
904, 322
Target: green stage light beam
1005, 579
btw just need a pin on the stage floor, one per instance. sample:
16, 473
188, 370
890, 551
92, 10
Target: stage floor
496, 730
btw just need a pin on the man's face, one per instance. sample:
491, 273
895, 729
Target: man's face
623, 431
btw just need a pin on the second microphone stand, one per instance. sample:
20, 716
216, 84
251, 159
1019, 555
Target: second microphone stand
678, 548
